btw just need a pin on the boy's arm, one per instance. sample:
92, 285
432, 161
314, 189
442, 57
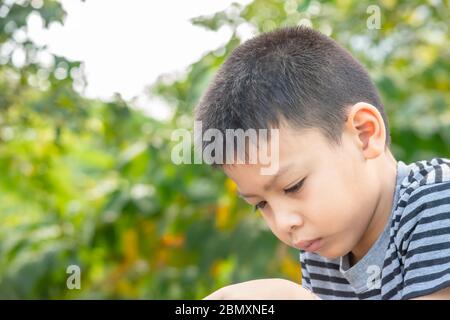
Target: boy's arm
263, 289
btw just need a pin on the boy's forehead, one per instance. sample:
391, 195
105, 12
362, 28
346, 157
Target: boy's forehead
299, 143
292, 144
235, 171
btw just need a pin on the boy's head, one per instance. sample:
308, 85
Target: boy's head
332, 127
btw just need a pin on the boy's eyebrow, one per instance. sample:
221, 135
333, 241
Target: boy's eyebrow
272, 180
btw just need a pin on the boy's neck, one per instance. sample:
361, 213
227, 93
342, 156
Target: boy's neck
382, 210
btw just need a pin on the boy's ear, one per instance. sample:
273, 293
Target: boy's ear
365, 123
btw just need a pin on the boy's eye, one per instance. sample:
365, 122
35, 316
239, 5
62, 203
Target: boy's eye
260, 205
295, 187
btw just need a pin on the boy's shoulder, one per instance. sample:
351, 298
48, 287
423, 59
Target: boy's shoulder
424, 173
422, 213
423, 192
421, 228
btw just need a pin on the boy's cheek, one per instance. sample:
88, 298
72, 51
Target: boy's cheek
275, 232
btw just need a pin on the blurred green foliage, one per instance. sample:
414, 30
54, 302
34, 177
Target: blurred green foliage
91, 183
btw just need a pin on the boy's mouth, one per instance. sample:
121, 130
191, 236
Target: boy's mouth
309, 245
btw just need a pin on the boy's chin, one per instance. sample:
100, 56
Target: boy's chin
331, 253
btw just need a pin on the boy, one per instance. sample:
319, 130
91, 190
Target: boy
366, 226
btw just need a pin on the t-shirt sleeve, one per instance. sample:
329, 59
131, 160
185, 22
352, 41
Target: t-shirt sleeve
306, 280
427, 250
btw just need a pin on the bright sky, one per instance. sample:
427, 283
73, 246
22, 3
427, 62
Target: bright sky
126, 44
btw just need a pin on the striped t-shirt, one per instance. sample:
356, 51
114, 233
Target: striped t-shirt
410, 258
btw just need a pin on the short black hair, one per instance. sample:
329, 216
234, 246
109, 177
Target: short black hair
293, 73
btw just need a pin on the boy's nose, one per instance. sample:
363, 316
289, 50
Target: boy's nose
288, 221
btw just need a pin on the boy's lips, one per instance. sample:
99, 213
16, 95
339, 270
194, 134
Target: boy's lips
309, 245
